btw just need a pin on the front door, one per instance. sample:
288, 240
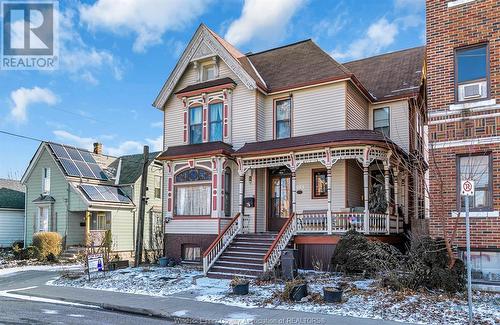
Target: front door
280, 202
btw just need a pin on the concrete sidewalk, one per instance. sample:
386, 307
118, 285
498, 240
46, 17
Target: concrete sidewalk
183, 309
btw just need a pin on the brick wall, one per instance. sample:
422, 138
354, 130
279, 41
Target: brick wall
447, 29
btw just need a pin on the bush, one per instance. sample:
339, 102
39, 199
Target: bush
17, 245
48, 243
427, 265
28, 253
356, 254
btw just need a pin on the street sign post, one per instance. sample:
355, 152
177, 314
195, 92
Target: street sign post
467, 190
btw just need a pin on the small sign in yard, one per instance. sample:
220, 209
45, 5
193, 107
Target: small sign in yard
95, 263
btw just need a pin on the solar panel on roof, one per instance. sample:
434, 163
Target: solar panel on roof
78, 162
105, 193
70, 167
59, 150
87, 156
74, 154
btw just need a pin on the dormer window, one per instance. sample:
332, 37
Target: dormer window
208, 72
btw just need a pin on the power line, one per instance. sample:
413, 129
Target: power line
21, 136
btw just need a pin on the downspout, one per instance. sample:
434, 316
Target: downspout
25, 237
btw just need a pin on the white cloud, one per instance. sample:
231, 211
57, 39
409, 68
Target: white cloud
123, 148
262, 20
378, 36
157, 124
24, 97
80, 60
147, 19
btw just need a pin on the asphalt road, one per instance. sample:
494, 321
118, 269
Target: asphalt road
17, 311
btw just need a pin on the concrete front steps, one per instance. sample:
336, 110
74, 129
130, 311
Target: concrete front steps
244, 257
70, 254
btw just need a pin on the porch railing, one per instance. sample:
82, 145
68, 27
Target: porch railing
378, 223
286, 233
221, 242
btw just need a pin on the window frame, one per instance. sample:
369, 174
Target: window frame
192, 107
275, 116
41, 208
185, 246
157, 177
388, 120
455, 72
210, 122
314, 172
204, 67
46, 181
97, 215
490, 182
183, 184
228, 180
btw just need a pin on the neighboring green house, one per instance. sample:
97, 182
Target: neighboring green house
11, 212
81, 194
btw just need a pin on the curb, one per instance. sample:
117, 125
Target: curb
124, 309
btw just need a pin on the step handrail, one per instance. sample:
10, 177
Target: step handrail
286, 233
220, 243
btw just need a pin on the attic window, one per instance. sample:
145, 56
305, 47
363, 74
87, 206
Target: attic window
208, 72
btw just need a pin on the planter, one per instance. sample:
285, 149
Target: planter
241, 289
117, 265
163, 261
332, 294
298, 292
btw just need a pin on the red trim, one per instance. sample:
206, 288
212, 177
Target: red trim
205, 90
183, 217
280, 234
220, 235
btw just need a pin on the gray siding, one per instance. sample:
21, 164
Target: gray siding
399, 122
11, 226
356, 109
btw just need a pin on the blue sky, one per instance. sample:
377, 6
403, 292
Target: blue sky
116, 54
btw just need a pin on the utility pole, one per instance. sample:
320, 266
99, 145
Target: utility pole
142, 209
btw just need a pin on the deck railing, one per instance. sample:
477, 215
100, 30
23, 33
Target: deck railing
286, 233
221, 242
378, 223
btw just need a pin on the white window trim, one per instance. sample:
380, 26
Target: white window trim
39, 217
482, 103
46, 181
455, 3
477, 214
213, 62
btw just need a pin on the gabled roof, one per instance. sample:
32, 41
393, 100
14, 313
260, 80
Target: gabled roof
131, 166
11, 194
392, 75
296, 65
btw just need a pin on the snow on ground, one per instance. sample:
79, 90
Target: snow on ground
362, 298
9, 264
48, 267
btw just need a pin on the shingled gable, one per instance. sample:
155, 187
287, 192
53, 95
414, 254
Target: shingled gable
224, 50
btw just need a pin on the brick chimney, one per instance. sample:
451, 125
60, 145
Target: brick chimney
98, 148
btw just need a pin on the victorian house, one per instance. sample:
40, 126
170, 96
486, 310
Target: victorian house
287, 147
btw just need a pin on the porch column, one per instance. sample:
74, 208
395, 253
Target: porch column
240, 202
365, 189
387, 196
395, 171
294, 192
87, 228
329, 191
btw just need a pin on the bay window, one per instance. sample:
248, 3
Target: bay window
283, 118
192, 193
215, 113
195, 124
478, 169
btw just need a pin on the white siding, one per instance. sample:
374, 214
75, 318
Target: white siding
357, 109
11, 226
399, 122
261, 116
314, 110
304, 184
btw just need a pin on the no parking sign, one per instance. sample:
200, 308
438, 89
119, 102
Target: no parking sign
467, 188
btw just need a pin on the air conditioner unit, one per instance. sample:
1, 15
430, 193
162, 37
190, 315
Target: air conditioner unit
472, 90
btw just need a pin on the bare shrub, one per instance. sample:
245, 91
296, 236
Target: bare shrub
48, 243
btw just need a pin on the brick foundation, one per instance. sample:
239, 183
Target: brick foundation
174, 242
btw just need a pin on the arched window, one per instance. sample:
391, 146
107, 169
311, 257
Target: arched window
192, 191
227, 192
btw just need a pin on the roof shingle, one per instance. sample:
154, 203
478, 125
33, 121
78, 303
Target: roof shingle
11, 194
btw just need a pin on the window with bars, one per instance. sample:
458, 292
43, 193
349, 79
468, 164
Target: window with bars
478, 169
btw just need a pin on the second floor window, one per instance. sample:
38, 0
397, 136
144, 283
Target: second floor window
283, 120
157, 187
46, 181
471, 72
381, 120
477, 169
215, 113
195, 124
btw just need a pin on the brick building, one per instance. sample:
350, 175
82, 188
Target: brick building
463, 75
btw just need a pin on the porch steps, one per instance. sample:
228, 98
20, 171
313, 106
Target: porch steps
71, 253
244, 257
